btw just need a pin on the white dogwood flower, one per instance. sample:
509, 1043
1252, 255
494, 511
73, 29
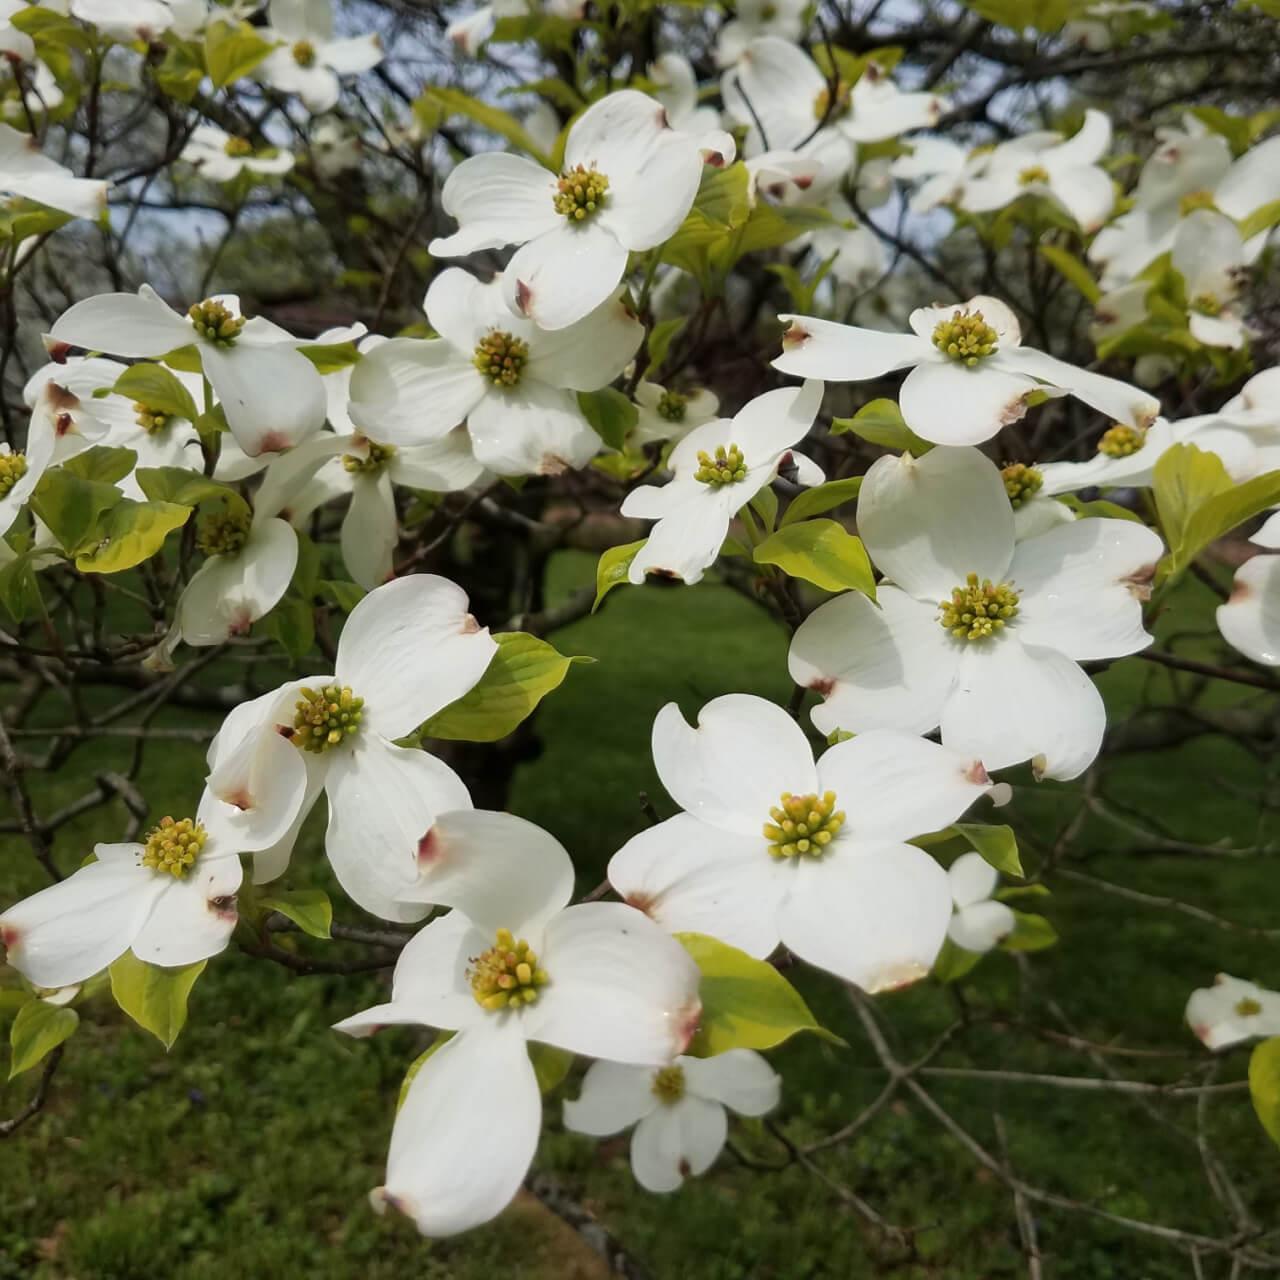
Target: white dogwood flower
20, 472
718, 468
970, 374
309, 59
141, 19
1250, 619
772, 847
222, 157
1125, 459
946, 168
971, 632
678, 1110
1231, 1011
676, 87
510, 965
978, 921
1208, 252
663, 414
25, 172
752, 19
627, 183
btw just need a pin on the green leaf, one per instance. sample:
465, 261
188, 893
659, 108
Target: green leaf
822, 552
1264, 1085
1260, 220
328, 357
523, 671
232, 50
102, 464
188, 489
346, 595
182, 69
954, 962
72, 507
609, 413
746, 1003
881, 422
309, 909
997, 845
1099, 508
292, 625
37, 1031
550, 1065
1073, 271
765, 505
154, 997
823, 497
19, 587
724, 195
661, 337
440, 101
1030, 933
157, 388
130, 533
613, 567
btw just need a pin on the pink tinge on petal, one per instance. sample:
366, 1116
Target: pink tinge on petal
430, 847
9, 937
272, 442
240, 623
469, 625
642, 902
823, 686
796, 336
688, 1020
977, 774
224, 908
524, 295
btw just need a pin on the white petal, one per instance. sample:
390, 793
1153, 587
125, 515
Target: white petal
562, 275
1206, 250
813, 348
739, 1079
1087, 193
1117, 400
125, 324
369, 533
1038, 515
409, 649
587, 355
687, 538
770, 424
981, 926
1223, 330
352, 55
1269, 534
444, 466
192, 919
924, 320
613, 1098
533, 429
678, 1140
617, 134
498, 199
462, 309
973, 879
782, 85
1252, 181
272, 395
1250, 620
880, 111
673, 166
952, 404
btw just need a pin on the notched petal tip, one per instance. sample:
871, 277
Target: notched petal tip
976, 772
524, 296
1000, 794
1015, 410
224, 907
895, 976
1240, 591
10, 937
1139, 582
61, 399
823, 686
642, 902
796, 335
430, 848
56, 349
552, 464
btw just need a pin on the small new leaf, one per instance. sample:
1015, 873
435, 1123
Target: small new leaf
37, 1031
154, 997
612, 569
309, 909
822, 552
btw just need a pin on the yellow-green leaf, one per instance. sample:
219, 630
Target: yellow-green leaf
130, 533
609, 414
232, 50
188, 488
158, 388
154, 997
954, 962
37, 1031
330, 356
997, 845
1264, 1085
1030, 933
613, 567
822, 552
881, 422
1073, 271
820, 498
101, 463
440, 101
309, 909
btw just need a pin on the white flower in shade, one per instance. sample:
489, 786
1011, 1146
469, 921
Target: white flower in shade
17, 45
1125, 459
676, 87
1250, 619
978, 921
1232, 1010
970, 374
144, 19
334, 148
756, 18
972, 632
37, 90
309, 60
64, 408
1119, 310
512, 382
511, 964
628, 181
272, 395
678, 1110
408, 649
718, 468
772, 848
1063, 170
25, 172
1100, 26
221, 157
945, 167
20, 472
469, 32
663, 414
1208, 253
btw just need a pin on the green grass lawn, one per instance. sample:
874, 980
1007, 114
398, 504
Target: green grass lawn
249, 1149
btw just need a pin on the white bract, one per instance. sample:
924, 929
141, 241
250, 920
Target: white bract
772, 848
1208, 252
20, 472
946, 168
1250, 619
718, 468
271, 393
663, 414
1232, 1010
221, 157
678, 1110
25, 172
309, 59
510, 965
970, 374
1125, 458
971, 632
676, 87
512, 382
978, 921
627, 183
141, 19
756, 18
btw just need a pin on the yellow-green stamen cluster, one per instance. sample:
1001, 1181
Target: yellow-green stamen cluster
1194, 200
1248, 1007
727, 467
966, 337
214, 322
379, 456
152, 421
580, 192
501, 357
304, 53
173, 847
803, 826
668, 1084
1206, 305
223, 533
824, 108
1120, 441
1021, 483
13, 466
1033, 173
325, 717
672, 406
978, 609
507, 975
238, 147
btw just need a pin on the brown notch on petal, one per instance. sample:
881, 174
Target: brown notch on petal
1014, 411
9, 937
1139, 582
224, 906
796, 335
688, 1020
241, 799
977, 774
804, 181
524, 295
663, 122
895, 976
642, 902
822, 686
240, 624
286, 731
63, 423
684, 1167
1144, 420
1240, 590
469, 624
60, 398
274, 442
56, 350
712, 157
552, 465
430, 847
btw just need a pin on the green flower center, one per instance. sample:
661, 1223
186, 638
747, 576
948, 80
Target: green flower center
727, 467
214, 322
379, 456
580, 193
1206, 304
966, 337
1194, 200
173, 847
152, 421
501, 357
507, 975
13, 466
304, 53
668, 1084
1033, 173
824, 108
223, 533
325, 717
803, 826
1021, 483
1248, 1007
238, 147
672, 406
978, 609
1120, 441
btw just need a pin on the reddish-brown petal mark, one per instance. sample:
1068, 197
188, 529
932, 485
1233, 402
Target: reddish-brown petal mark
274, 442
60, 397
1139, 582
524, 295
63, 423
224, 906
796, 335
804, 181
684, 1168
822, 686
285, 730
640, 901
239, 799
1144, 420
57, 351
9, 936
712, 157
977, 774
663, 122
688, 1020
552, 465
1240, 590
430, 847
240, 623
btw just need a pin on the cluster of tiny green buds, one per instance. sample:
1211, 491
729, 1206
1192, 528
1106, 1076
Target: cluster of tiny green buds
322, 718
304, 53
223, 533
214, 322
1033, 173
1119, 441
173, 847
727, 467
978, 609
966, 337
1206, 305
501, 357
803, 826
152, 421
824, 108
580, 192
672, 405
1247, 1007
13, 466
507, 975
1194, 200
238, 147
1021, 483
668, 1084
378, 457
